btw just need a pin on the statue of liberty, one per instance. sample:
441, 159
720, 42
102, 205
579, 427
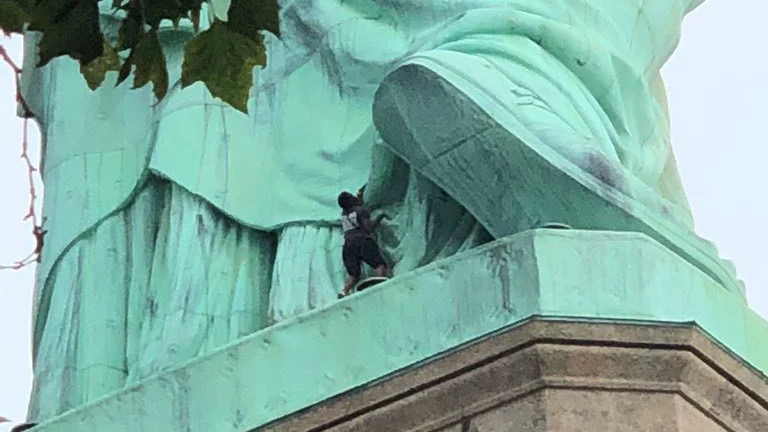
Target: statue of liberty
178, 227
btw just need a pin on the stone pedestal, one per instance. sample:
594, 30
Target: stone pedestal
547, 330
552, 376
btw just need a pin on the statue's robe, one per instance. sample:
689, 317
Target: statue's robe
178, 227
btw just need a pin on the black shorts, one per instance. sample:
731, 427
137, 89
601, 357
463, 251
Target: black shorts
359, 249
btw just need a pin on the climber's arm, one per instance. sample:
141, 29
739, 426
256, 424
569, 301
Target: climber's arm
369, 224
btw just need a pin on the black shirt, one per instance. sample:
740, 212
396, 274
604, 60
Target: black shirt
352, 222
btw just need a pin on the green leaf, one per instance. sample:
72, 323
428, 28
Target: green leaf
223, 60
125, 70
150, 65
69, 27
46, 11
95, 71
131, 31
13, 15
248, 17
149, 60
157, 10
194, 16
191, 5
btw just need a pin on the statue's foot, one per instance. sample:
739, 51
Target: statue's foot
458, 126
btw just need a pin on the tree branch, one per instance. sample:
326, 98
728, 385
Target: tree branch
37, 229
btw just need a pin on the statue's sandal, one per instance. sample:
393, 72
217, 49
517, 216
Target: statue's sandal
468, 141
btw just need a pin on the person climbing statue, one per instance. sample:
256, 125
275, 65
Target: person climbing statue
359, 244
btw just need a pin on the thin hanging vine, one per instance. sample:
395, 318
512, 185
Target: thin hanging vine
37, 230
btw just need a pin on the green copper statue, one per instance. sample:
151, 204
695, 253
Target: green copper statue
176, 228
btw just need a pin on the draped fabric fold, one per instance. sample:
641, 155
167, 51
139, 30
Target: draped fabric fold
165, 280
308, 270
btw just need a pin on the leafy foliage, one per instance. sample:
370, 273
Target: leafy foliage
221, 57
149, 60
233, 54
243, 20
96, 71
13, 15
69, 27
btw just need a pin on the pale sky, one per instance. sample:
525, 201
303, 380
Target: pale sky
717, 88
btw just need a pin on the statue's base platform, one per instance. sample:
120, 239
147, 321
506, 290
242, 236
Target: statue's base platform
639, 336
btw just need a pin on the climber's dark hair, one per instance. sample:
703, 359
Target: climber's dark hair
347, 201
